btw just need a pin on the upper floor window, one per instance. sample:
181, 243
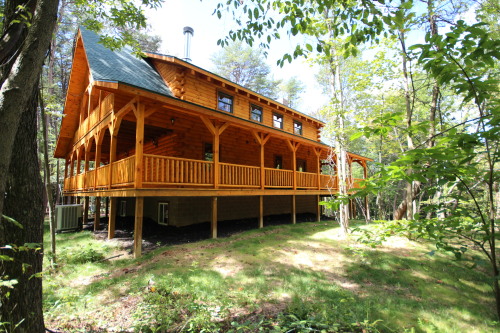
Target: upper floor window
278, 120
297, 127
224, 102
256, 113
278, 161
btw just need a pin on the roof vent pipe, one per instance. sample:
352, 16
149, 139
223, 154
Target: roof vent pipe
188, 32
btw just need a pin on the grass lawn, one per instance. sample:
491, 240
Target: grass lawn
286, 278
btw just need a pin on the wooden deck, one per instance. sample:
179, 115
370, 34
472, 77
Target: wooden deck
173, 172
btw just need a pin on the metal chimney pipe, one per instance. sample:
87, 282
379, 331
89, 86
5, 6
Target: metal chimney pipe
188, 32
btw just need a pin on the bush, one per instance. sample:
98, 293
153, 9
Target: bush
89, 253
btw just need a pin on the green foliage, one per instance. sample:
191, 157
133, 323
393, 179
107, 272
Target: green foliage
247, 67
83, 254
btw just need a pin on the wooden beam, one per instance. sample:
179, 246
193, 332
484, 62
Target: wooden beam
213, 224
139, 211
139, 145
261, 211
318, 208
86, 210
112, 217
294, 210
97, 217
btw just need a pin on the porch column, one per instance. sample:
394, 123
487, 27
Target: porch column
97, 217
97, 162
139, 145
294, 208
213, 225
317, 151
318, 208
86, 165
293, 147
112, 150
139, 210
112, 216
85, 210
216, 129
262, 140
261, 211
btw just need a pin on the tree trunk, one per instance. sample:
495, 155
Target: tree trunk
26, 60
23, 203
48, 184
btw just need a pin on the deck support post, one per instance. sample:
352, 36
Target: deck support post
97, 217
261, 211
139, 212
294, 210
318, 208
213, 225
139, 144
85, 210
112, 217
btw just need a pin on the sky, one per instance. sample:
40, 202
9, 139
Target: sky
168, 22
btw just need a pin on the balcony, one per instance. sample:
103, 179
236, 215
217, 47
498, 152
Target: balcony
172, 172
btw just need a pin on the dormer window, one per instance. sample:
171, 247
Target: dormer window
225, 102
278, 120
256, 113
297, 127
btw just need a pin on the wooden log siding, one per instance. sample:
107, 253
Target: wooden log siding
279, 178
164, 170
307, 180
239, 175
123, 171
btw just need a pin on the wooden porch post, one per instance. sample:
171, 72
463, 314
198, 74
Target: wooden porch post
139, 145
262, 140
318, 208
216, 130
213, 225
97, 218
139, 210
294, 208
317, 151
98, 149
112, 150
293, 147
85, 210
261, 211
112, 217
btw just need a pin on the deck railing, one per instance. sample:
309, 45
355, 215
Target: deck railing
239, 175
172, 171
96, 115
164, 170
307, 180
279, 178
124, 171
102, 176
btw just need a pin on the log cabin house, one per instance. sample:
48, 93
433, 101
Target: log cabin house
172, 142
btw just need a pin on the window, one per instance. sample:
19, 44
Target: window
297, 127
256, 113
278, 162
278, 120
208, 152
301, 165
123, 208
163, 213
225, 102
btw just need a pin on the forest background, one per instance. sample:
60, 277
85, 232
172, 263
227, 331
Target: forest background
428, 114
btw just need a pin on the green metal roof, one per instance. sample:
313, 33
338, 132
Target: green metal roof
121, 66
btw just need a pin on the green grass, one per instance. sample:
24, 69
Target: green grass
283, 278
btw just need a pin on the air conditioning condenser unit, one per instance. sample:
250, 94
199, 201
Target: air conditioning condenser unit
68, 217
